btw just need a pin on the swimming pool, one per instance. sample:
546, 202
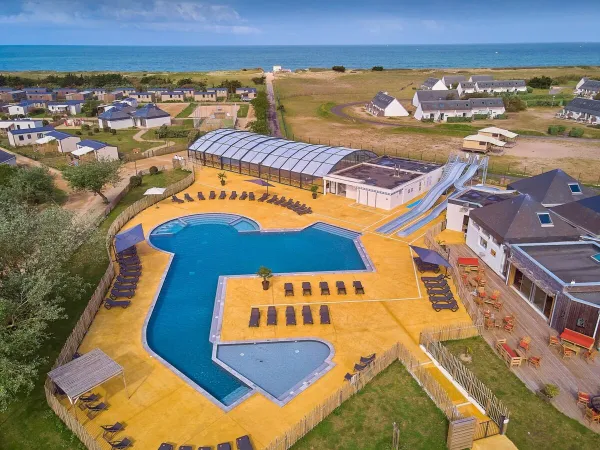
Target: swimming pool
208, 246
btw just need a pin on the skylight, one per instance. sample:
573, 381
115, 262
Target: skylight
596, 257
545, 219
575, 188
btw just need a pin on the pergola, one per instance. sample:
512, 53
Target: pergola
85, 373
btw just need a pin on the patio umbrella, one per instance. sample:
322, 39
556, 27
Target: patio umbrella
129, 238
430, 256
155, 191
261, 182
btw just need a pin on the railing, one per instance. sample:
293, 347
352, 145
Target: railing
486, 429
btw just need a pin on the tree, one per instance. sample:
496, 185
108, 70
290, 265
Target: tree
513, 103
542, 82
338, 68
33, 185
90, 108
35, 247
193, 136
184, 81
231, 85
261, 111
377, 69
93, 176
259, 80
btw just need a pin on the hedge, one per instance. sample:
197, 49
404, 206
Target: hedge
458, 119
480, 116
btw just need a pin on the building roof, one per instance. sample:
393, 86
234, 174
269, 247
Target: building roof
494, 102
584, 105
500, 131
115, 113
382, 100
59, 135
584, 214
475, 78
483, 138
45, 129
467, 85
36, 90
150, 111
246, 89
500, 84
66, 102
430, 96
217, 89
268, 152
172, 93
551, 188
96, 145
590, 85
477, 197
449, 80
430, 82
516, 220
460, 105
5, 156
65, 90
207, 92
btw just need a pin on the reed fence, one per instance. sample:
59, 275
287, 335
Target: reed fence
85, 320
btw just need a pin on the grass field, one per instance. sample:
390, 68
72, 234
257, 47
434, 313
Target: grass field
30, 423
189, 109
243, 110
534, 424
365, 421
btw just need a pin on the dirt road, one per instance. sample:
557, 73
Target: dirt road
273, 122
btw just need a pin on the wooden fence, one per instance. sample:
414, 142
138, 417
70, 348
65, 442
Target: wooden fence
397, 352
461, 433
85, 320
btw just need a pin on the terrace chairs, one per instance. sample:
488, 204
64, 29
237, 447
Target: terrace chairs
535, 361
324, 286
307, 317
497, 305
583, 398
368, 359
425, 267
554, 341
201, 196
243, 443
511, 357
451, 305
89, 398
244, 195
271, 315
448, 297
348, 376
222, 195
251, 196
306, 288
567, 352
188, 197
263, 197
591, 416
524, 343
110, 303
440, 277
123, 443
358, 287
272, 199
233, 195
109, 431
288, 289
478, 301
360, 367
116, 293
341, 287
495, 295
509, 327
290, 315
212, 195
324, 313
254, 317
174, 199
93, 410
590, 355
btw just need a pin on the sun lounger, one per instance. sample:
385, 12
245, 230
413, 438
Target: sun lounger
166, 446
251, 196
243, 443
222, 195
272, 199
233, 195
89, 398
224, 446
324, 288
129, 260
127, 253
263, 197
123, 443
290, 315
440, 277
116, 293
110, 430
212, 195
358, 287
124, 286
205, 448
127, 281
367, 359
288, 288
186, 447
95, 409
188, 197
324, 313
438, 291
341, 287
201, 196
348, 376
110, 303
307, 315
306, 288
130, 267
174, 199
130, 274
287, 203
359, 367
254, 317
452, 306
436, 284
244, 195
441, 298
281, 201
271, 315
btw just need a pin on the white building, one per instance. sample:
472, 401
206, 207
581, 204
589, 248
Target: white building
28, 136
66, 142
89, 149
71, 107
457, 213
441, 110
276, 69
499, 86
433, 84
386, 182
384, 105
587, 88
434, 96
151, 116
451, 80
115, 119
582, 110
465, 87
20, 124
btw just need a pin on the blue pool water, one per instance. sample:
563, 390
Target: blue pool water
179, 327
413, 204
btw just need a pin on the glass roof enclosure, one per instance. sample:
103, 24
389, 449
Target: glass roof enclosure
295, 163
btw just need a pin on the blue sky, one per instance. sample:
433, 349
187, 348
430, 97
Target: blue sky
284, 22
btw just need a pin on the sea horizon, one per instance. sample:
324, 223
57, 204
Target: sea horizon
202, 58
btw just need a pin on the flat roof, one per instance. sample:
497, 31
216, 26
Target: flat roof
406, 164
567, 261
478, 197
380, 176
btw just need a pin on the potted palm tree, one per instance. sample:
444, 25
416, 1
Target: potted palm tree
265, 273
222, 176
314, 189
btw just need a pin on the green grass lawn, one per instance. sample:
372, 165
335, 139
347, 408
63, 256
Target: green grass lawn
243, 110
534, 424
189, 109
30, 423
365, 421
123, 139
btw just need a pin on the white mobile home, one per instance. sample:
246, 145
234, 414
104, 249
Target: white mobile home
19, 138
66, 142
434, 96
433, 84
385, 105
89, 149
499, 86
151, 116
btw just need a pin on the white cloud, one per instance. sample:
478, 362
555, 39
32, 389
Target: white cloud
382, 26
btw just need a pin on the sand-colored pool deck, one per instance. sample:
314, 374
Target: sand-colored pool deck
164, 408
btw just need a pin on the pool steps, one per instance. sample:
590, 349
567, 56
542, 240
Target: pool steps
343, 232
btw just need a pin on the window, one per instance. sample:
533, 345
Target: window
575, 188
483, 243
545, 219
596, 257
21, 138
493, 252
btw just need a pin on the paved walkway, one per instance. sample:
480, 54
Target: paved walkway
139, 138
272, 116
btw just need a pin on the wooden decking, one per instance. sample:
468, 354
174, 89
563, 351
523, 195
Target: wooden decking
571, 375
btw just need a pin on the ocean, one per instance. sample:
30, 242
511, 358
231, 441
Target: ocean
200, 59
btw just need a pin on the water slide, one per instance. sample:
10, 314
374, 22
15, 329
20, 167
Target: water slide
459, 186
454, 170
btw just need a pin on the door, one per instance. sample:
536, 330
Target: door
465, 224
372, 199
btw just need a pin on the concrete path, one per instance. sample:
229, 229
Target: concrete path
139, 138
272, 115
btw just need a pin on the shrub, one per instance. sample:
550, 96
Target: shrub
45, 122
56, 118
427, 120
338, 68
556, 129
85, 127
377, 69
501, 116
153, 170
259, 80
135, 181
542, 82
458, 119
576, 132
78, 133
96, 130
90, 133
529, 89
106, 129
480, 116
550, 390
512, 103
193, 135
113, 132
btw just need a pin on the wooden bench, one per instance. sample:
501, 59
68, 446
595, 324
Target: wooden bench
510, 355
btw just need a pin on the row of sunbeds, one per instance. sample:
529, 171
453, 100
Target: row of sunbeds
423, 266
298, 208
365, 361
290, 316
439, 293
288, 288
130, 271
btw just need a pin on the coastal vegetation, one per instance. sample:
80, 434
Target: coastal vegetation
261, 110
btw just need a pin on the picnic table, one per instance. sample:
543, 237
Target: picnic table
468, 262
595, 403
577, 339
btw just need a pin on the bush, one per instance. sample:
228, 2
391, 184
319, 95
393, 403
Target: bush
554, 130
85, 127
458, 119
135, 181
153, 170
529, 89
106, 129
78, 133
576, 132
427, 120
377, 69
512, 103
45, 122
501, 116
113, 132
165, 132
90, 133
550, 390
193, 135
56, 118
338, 68
96, 130
542, 82
480, 116
259, 80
